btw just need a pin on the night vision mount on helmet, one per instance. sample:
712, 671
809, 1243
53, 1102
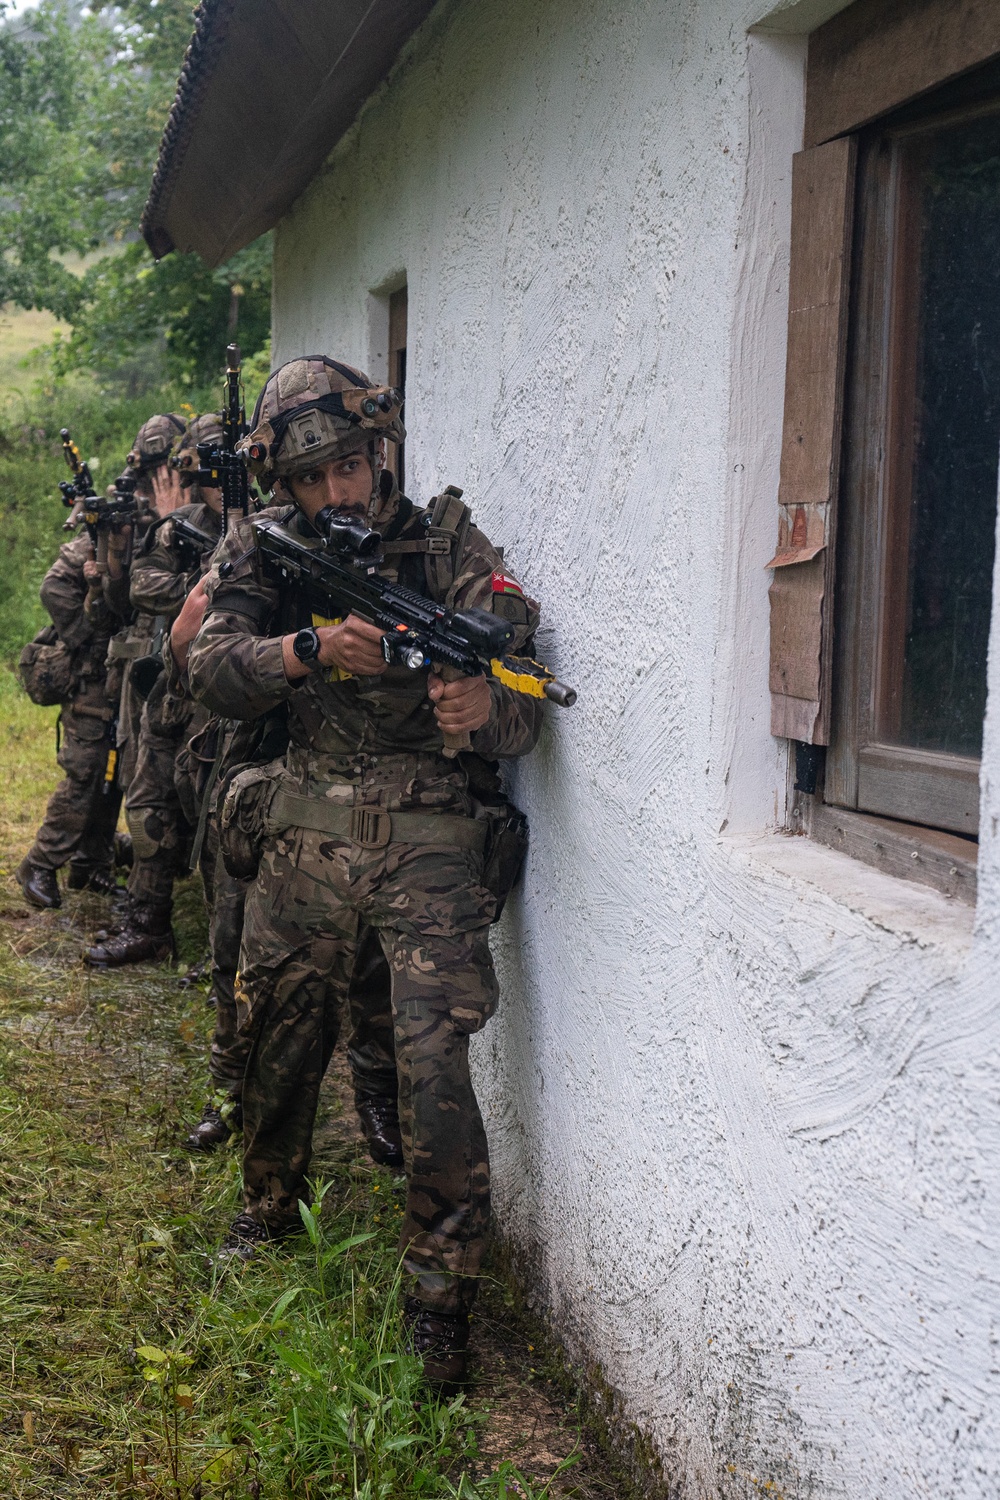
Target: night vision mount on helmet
316, 409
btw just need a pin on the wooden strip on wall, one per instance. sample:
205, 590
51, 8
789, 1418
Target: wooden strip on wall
877, 54
801, 593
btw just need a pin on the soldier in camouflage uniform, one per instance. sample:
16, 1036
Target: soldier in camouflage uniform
368, 823
218, 746
162, 575
157, 492
80, 820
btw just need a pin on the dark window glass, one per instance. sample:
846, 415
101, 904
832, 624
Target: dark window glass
950, 225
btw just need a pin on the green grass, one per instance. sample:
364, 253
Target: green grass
130, 1363
22, 331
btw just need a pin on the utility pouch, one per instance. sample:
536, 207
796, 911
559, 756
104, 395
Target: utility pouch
47, 669
506, 849
145, 670
143, 674
245, 796
194, 767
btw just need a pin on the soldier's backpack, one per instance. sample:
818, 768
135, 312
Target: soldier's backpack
47, 669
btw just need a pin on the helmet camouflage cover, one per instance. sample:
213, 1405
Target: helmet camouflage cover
154, 441
204, 429
314, 409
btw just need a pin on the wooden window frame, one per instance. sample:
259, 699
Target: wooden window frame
866, 768
872, 59
398, 314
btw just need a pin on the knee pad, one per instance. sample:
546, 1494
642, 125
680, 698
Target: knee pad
146, 830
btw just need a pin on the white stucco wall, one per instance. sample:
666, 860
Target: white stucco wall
742, 1094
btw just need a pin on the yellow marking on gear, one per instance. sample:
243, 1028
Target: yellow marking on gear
331, 674
522, 682
109, 770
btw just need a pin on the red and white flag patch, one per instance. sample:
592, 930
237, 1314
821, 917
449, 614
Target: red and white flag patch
504, 584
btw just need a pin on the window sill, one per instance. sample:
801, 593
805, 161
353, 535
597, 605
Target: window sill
907, 909
905, 851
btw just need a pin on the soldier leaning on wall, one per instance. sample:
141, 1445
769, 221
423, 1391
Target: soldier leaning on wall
220, 747
362, 735
162, 574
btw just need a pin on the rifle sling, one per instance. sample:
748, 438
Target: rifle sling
373, 827
207, 798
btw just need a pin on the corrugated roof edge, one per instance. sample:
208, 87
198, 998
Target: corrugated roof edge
211, 23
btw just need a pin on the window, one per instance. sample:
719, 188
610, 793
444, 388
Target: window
919, 478
881, 596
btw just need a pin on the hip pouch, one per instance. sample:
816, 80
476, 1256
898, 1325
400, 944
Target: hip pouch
47, 669
506, 850
244, 799
144, 673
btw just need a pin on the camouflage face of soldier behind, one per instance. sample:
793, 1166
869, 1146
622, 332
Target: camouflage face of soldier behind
366, 825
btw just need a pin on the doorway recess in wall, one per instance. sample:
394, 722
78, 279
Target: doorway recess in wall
396, 456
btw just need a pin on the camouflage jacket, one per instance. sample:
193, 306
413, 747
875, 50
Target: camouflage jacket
64, 594
115, 591
235, 663
163, 574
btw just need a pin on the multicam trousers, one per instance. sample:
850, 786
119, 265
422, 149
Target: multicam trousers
370, 1047
160, 832
305, 916
80, 820
230, 1046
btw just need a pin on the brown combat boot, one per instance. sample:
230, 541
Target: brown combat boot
245, 1236
379, 1117
441, 1341
218, 1122
146, 938
96, 878
196, 973
39, 885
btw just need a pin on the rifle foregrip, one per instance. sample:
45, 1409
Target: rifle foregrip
453, 743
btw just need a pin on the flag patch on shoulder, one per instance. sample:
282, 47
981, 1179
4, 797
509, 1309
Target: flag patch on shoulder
504, 584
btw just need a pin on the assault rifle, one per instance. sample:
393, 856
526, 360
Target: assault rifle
81, 486
100, 514
220, 466
191, 542
336, 574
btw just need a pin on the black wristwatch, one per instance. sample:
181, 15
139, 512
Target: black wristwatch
305, 645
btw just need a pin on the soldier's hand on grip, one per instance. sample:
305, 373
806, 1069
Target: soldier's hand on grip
462, 706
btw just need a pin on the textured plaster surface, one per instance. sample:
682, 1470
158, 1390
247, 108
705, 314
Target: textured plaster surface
742, 1094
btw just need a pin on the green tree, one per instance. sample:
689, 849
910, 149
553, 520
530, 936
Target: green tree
84, 96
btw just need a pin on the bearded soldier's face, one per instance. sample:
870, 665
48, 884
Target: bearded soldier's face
345, 483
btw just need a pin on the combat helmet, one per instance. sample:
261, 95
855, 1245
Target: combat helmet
154, 441
184, 458
314, 409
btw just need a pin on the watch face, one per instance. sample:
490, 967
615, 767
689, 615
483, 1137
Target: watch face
306, 645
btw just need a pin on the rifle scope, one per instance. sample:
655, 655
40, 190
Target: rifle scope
348, 537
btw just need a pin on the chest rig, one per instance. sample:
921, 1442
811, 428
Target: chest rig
445, 526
